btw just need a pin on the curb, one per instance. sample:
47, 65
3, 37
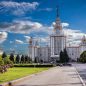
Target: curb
83, 83
11, 83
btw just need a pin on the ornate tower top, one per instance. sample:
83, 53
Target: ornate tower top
30, 41
57, 25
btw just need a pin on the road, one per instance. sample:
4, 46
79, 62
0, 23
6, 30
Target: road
81, 68
58, 76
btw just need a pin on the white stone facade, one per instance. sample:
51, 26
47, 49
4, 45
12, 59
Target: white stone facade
57, 40
73, 52
57, 44
44, 53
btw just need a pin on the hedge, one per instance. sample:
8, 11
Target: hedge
28, 65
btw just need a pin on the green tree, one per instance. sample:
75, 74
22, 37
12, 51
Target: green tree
41, 61
17, 60
8, 61
29, 60
66, 56
1, 61
26, 59
83, 57
22, 59
11, 57
4, 55
35, 60
62, 57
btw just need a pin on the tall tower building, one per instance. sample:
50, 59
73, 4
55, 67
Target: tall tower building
30, 47
57, 39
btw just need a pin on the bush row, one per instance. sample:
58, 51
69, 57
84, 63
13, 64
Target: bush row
32, 65
3, 68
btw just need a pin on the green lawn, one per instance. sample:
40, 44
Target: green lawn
15, 73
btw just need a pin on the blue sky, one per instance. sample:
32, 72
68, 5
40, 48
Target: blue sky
20, 19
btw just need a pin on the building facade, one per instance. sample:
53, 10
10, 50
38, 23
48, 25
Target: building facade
44, 54
73, 52
57, 44
57, 40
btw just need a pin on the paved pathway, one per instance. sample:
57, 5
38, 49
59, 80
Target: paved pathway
81, 68
58, 76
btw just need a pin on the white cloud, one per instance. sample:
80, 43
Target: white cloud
18, 8
19, 26
65, 24
73, 36
18, 41
46, 9
37, 29
27, 38
3, 36
26, 27
47, 30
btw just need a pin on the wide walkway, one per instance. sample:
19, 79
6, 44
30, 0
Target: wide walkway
81, 68
58, 76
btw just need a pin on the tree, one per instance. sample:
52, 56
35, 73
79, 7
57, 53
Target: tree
29, 60
26, 59
4, 55
41, 61
22, 59
35, 60
11, 57
83, 57
1, 61
17, 58
66, 56
62, 57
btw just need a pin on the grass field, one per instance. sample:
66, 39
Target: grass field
15, 73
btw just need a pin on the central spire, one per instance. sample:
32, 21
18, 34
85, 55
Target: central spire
57, 25
57, 11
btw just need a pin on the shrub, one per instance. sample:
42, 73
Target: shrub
8, 61
5, 63
28, 65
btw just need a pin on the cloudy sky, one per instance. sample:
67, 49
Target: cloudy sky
20, 19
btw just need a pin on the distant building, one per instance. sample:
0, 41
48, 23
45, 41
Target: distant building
73, 52
30, 47
39, 53
57, 40
44, 54
57, 44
